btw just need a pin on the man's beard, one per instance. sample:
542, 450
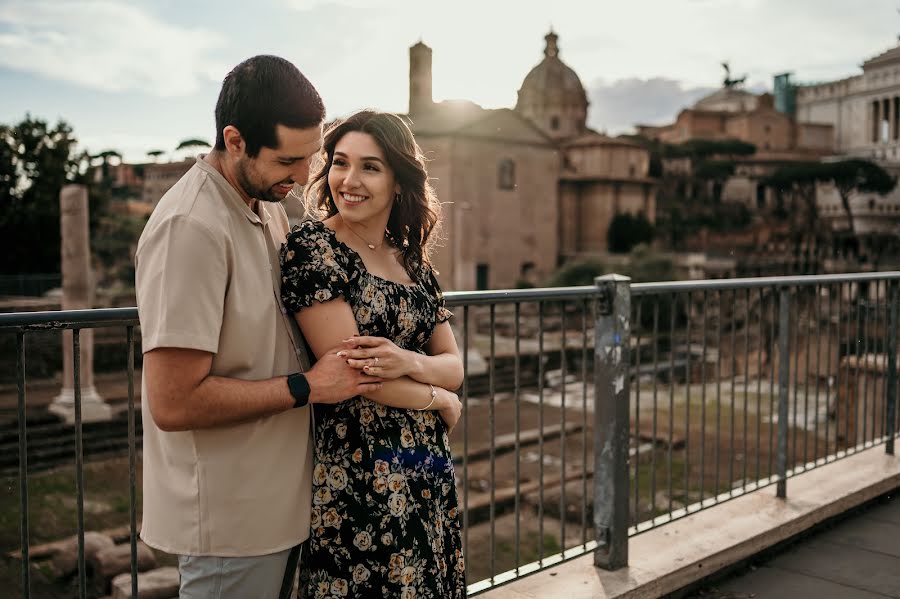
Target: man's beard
254, 191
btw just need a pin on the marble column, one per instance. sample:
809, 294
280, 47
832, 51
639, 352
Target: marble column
78, 286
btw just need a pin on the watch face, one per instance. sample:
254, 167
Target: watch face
299, 388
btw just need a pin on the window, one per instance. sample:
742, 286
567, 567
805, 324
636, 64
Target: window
554, 123
632, 170
506, 174
481, 277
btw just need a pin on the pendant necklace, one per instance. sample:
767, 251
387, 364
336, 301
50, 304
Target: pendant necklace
371, 246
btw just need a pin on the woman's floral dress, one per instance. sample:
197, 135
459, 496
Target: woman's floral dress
385, 519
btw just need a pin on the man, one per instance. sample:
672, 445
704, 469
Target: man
227, 449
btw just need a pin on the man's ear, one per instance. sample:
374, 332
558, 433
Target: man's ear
234, 142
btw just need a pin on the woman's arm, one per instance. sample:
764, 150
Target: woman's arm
441, 367
327, 324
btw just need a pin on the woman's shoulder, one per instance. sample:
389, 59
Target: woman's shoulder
310, 229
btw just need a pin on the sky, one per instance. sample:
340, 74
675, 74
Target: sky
141, 75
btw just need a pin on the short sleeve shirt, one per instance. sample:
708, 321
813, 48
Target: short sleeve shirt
207, 278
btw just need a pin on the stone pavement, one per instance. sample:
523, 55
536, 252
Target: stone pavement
857, 558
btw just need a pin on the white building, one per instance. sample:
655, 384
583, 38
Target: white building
865, 112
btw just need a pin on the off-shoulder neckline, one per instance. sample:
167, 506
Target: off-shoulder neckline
332, 234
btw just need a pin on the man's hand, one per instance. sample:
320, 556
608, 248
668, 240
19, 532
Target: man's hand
331, 380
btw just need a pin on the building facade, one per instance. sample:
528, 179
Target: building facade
523, 189
864, 110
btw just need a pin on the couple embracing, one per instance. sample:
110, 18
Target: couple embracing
255, 461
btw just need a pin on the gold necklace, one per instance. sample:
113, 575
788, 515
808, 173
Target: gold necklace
371, 246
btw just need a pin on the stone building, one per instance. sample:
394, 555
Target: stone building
864, 110
523, 189
734, 113
159, 178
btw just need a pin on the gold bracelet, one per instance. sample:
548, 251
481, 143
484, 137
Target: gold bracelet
433, 397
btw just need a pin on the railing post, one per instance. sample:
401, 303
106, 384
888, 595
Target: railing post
891, 383
611, 420
784, 378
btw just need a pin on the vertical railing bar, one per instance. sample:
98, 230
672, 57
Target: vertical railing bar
774, 337
859, 338
541, 433
871, 347
784, 381
704, 330
638, 328
828, 382
818, 327
562, 431
655, 406
848, 332
733, 386
744, 457
79, 463
132, 467
718, 457
759, 376
672, 311
879, 348
804, 322
465, 416
687, 402
491, 430
584, 422
518, 428
23, 464
795, 373
862, 363
891, 382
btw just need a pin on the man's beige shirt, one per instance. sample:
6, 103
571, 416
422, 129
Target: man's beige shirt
208, 278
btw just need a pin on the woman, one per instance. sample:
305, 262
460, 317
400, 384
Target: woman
385, 518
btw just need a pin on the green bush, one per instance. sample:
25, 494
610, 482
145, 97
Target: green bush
626, 231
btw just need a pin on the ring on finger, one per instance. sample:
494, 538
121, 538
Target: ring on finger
376, 359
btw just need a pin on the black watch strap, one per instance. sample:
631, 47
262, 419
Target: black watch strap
299, 388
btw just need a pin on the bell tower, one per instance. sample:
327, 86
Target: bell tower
420, 99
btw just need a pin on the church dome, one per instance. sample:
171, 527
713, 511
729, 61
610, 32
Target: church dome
552, 95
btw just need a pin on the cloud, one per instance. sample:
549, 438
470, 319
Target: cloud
618, 105
126, 48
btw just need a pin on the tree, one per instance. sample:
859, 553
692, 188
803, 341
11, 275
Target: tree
848, 176
36, 160
626, 231
193, 143
155, 154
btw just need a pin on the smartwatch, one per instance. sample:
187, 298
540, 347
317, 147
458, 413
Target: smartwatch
299, 388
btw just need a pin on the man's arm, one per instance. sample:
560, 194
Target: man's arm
183, 395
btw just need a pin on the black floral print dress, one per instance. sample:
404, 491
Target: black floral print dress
385, 518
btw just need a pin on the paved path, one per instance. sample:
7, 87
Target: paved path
857, 558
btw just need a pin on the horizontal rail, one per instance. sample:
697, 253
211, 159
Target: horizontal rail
68, 319
757, 282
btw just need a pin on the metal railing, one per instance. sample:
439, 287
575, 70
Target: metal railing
595, 413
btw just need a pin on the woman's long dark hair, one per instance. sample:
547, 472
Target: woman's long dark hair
415, 215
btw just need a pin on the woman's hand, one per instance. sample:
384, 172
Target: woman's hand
449, 407
379, 357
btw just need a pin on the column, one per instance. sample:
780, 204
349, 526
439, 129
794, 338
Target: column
876, 120
77, 295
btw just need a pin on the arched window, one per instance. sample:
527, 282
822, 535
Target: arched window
506, 174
